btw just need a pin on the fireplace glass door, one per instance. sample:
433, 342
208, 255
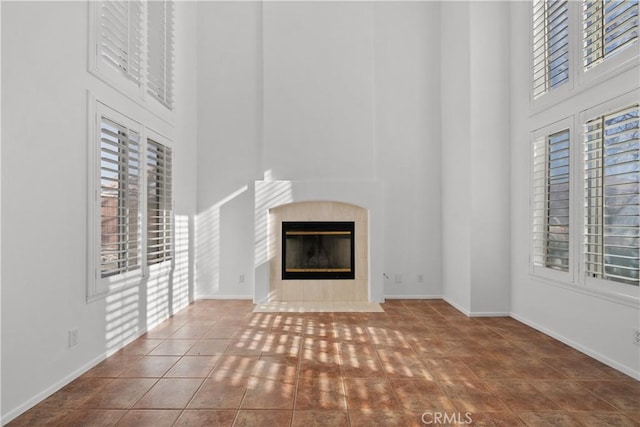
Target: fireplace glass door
318, 250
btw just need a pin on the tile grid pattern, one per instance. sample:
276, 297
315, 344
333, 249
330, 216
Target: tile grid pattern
420, 362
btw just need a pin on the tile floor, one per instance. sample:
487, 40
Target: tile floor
318, 307
421, 362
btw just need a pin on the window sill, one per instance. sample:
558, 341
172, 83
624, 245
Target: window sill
610, 296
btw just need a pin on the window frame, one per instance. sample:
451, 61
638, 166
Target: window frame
170, 261
99, 287
544, 133
609, 66
593, 283
167, 98
117, 79
545, 36
556, 94
580, 79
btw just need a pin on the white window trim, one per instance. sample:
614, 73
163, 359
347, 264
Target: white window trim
575, 279
609, 67
580, 80
541, 271
104, 72
561, 92
596, 284
116, 80
98, 287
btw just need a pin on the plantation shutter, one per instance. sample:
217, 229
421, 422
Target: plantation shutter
609, 27
119, 199
159, 203
120, 38
550, 45
160, 51
612, 193
551, 201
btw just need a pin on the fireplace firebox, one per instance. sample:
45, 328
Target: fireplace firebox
318, 250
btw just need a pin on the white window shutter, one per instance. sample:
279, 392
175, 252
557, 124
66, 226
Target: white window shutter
551, 203
120, 244
550, 45
609, 26
159, 203
612, 196
120, 37
160, 16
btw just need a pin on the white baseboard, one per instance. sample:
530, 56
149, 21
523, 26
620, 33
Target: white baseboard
14, 413
589, 352
456, 306
489, 314
477, 313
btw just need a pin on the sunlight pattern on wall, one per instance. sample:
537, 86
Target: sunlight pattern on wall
268, 194
182, 268
207, 244
122, 325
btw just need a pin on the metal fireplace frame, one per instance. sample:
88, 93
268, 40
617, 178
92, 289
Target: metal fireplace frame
320, 227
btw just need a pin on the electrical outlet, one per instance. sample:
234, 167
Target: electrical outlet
420, 278
636, 337
398, 278
73, 337
241, 278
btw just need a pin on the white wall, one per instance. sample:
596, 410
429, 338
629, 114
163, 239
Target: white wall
44, 171
408, 145
489, 131
318, 90
0, 208
456, 153
348, 85
475, 153
599, 325
229, 145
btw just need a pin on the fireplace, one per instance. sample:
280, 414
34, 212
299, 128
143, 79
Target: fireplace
315, 250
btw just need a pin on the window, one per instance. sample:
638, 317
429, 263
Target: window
160, 51
609, 26
612, 196
550, 45
120, 246
120, 38
159, 203
551, 201
131, 225
132, 48
585, 163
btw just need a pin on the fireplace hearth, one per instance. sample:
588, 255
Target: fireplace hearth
315, 250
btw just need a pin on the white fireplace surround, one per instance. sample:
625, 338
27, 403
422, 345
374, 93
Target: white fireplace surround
273, 194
